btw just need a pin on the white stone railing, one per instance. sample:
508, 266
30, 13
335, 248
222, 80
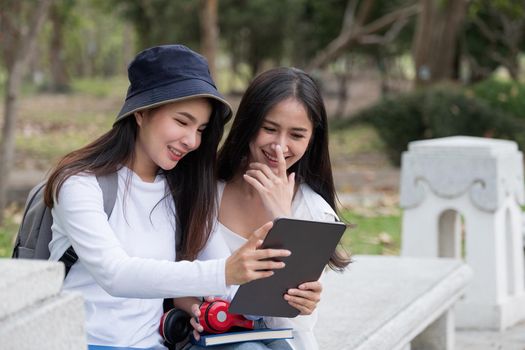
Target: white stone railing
34, 314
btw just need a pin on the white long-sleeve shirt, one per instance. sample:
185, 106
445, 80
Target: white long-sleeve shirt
307, 205
126, 264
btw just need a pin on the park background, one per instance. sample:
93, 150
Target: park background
391, 71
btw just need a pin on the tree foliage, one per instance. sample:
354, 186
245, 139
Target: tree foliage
255, 31
158, 22
494, 36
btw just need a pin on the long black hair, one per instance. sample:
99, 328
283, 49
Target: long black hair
192, 183
265, 92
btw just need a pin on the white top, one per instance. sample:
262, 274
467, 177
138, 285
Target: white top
126, 264
307, 205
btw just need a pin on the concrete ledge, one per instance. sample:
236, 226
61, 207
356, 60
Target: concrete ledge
386, 302
55, 324
34, 314
25, 282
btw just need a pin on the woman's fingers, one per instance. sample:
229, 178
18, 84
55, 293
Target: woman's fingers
196, 325
314, 286
267, 265
249, 263
266, 259
264, 169
304, 310
263, 178
304, 305
281, 167
257, 236
297, 294
306, 297
259, 187
195, 310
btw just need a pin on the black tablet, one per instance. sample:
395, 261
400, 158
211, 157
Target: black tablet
311, 243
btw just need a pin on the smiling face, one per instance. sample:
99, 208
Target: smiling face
167, 133
286, 124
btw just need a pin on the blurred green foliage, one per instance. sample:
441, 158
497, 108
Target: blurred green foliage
348, 142
437, 112
160, 22
505, 95
493, 36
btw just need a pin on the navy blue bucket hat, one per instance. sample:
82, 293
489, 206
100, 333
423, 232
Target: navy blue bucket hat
170, 73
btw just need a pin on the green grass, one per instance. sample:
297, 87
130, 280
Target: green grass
102, 87
376, 235
8, 230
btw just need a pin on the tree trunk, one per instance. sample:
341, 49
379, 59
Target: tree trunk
209, 33
60, 81
436, 39
23, 50
342, 95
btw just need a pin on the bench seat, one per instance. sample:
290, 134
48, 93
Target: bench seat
386, 302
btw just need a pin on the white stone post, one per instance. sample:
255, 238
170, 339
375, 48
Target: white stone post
469, 189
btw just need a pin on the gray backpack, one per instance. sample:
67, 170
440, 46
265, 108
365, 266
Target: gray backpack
34, 234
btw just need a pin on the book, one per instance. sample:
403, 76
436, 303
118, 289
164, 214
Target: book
311, 243
235, 336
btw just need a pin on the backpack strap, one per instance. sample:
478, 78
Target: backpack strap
69, 258
109, 186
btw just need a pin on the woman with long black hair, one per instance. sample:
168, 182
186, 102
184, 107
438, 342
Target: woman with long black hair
162, 148
274, 163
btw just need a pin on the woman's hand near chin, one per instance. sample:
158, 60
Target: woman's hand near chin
275, 189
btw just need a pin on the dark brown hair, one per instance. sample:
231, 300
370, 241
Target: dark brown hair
192, 183
314, 168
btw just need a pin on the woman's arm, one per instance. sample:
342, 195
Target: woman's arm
79, 215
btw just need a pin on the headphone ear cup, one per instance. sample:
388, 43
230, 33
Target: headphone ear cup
175, 326
203, 318
214, 316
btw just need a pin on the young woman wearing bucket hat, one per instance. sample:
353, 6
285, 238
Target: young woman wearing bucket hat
162, 147
275, 162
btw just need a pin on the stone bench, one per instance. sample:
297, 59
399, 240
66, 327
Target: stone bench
389, 303
34, 314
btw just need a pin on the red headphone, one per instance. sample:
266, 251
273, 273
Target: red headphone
215, 317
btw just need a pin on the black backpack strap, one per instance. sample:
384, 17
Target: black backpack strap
109, 186
69, 258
